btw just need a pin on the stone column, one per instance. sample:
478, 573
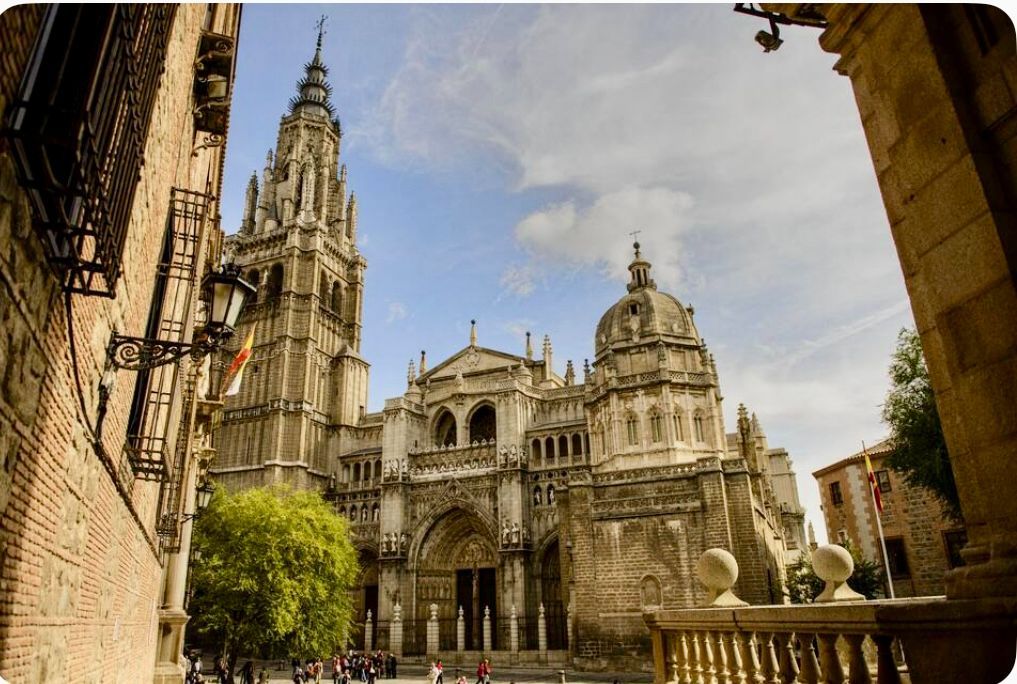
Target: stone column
568, 625
487, 629
949, 203
460, 632
542, 631
395, 631
514, 630
432, 632
368, 628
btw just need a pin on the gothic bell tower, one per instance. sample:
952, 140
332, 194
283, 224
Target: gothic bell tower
298, 243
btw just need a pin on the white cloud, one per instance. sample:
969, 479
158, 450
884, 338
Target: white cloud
518, 280
599, 234
397, 311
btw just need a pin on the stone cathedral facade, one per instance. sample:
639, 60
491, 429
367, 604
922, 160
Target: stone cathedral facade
492, 486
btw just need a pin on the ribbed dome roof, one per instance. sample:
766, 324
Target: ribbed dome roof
655, 315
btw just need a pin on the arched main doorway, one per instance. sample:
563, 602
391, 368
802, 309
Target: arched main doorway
553, 597
457, 567
365, 596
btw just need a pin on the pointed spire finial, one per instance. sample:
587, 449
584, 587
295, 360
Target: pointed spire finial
423, 361
529, 346
473, 333
321, 28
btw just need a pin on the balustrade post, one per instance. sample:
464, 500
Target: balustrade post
709, 656
368, 633
686, 654
771, 664
541, 631
734, 658
886, 666
858, 669
750, 659
829, 659
810, 664
697, 659
788, 661
488, 644
720, 658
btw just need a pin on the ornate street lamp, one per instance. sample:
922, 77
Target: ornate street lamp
226, 293
203, 495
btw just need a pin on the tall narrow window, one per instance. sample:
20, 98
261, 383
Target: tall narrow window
836, 498
698, 423
632, 429
676, 421
657, 427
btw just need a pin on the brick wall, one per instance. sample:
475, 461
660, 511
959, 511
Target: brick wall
80, 573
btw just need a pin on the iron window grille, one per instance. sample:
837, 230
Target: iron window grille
153, 409
78, 129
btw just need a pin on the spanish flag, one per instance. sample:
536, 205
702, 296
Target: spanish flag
235, 373
872, 482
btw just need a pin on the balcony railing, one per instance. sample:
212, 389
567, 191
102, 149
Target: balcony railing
919, 640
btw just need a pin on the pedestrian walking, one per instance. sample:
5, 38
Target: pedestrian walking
441, 670
247, 673
481, 671
391, 666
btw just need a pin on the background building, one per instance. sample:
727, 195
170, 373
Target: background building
494, 486
920, 542
115, 119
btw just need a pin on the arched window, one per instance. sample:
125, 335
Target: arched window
377, 469
676, 420
375, 513
563, 447
353, 513
337, 298
577, 444
549, 450
632, 429
538, 496
586, 443
346, 473
537, 451
656, 427
275, 281
483, 423
367, 471
254, 278
550, 495
356, 472
698, 423
363, 513
445, 429
342, 511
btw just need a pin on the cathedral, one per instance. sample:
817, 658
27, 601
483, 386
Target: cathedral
497, 507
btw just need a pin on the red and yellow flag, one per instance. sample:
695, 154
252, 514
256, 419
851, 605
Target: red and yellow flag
235, 373
872, 482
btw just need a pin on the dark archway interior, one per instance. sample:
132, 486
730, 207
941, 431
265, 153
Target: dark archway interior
551, 594
483, 424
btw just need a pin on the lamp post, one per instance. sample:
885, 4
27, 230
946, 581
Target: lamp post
203, 494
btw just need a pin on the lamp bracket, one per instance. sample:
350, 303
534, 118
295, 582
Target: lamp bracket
140, 353
807, 15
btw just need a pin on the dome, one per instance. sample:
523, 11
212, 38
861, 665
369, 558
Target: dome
644, 314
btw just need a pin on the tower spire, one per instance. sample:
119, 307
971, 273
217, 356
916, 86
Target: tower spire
313, 90
640, 269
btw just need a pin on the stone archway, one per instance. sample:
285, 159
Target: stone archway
364, 594
456, 565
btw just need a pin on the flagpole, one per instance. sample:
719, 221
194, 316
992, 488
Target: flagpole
879, 522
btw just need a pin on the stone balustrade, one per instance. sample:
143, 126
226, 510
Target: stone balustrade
843, 638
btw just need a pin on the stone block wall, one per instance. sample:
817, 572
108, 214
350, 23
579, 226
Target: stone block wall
80, 570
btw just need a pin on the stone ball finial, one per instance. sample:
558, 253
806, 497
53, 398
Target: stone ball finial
718, 571
833, 564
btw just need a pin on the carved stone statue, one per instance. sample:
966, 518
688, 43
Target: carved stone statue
487, 612
515, 534
505, 533
404, 540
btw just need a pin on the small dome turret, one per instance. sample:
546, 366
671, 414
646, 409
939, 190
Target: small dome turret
644, 314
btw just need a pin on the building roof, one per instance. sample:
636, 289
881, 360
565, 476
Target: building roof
879, 449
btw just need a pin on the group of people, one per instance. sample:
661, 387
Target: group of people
363, 667
222, 672
436, 674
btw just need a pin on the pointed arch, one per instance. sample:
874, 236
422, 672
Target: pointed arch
632, 429
483, 422
275, 281
445, 428
337, 298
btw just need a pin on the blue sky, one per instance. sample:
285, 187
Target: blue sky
501, 154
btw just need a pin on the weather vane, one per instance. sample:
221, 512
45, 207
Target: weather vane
634, 234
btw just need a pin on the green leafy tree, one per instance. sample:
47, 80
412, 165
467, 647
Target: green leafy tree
274, 574
918, 448
804, 585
